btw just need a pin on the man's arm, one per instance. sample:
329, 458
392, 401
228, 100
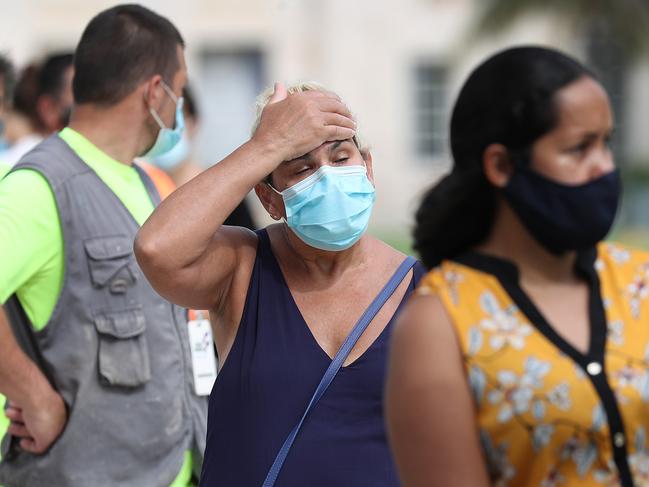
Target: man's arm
30, 242
36, 411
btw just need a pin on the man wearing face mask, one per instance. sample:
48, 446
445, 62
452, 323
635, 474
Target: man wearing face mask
101, 387
179, 165
290, 304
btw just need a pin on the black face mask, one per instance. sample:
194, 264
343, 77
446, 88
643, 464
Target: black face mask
562, 217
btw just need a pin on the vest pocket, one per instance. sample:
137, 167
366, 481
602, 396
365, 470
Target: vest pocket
109, 261
123, 351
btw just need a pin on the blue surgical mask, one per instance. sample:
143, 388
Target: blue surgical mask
330, 210
173, 158
167, 138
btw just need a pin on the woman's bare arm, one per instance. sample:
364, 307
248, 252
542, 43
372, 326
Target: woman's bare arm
185, 252
430, 413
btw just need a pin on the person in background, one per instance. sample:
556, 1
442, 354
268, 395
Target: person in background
524, 358
54, 97
179, 165
21, 134
283, 299
7, 80
97, 366
41, 106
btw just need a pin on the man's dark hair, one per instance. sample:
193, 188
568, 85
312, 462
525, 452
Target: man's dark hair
120, 48
7, 78
51, 79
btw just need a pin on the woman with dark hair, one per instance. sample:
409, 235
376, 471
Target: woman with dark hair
524, 358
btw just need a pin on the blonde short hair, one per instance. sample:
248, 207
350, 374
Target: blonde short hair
299, 87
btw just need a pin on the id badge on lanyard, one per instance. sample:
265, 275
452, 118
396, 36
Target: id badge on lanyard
202, 349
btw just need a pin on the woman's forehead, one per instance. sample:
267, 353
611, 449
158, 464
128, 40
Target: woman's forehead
329, 147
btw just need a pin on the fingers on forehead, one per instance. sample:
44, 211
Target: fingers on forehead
321, 94
334, 106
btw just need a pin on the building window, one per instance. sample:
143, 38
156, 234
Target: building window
228, 82
430, 131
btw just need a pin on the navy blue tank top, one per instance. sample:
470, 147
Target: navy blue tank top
271, 372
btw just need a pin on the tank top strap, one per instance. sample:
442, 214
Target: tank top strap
264, 250
265, 258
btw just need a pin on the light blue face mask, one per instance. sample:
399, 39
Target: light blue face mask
173, 158
330, 210
167, 138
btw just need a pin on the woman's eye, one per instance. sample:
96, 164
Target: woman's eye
303, 170
578, 149
341, 160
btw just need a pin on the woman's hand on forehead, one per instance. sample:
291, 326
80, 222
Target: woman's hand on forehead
301, 122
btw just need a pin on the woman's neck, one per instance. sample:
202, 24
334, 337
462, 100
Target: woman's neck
509, 239
315, 263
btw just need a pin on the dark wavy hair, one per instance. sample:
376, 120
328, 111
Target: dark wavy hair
510, 100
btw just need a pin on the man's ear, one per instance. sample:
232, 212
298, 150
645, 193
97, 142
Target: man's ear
497, 164
153, 92
270, 200
367, 157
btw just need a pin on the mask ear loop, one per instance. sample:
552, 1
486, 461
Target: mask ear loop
279, 193
169, 91
173, 97
157, 118
271, 187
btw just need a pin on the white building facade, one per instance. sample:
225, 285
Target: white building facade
397, 63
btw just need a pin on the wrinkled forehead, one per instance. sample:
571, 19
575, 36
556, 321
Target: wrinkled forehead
327, 147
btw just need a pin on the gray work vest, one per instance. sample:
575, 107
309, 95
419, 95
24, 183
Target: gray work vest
116, 351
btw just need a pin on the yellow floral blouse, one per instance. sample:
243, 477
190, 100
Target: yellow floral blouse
548, 414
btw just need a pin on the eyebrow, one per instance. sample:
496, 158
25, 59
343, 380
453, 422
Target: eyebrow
337, 144
595, 135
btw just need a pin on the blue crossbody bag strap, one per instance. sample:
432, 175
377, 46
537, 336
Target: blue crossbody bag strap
338, 361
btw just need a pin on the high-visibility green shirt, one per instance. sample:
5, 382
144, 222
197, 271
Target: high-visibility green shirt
31, 240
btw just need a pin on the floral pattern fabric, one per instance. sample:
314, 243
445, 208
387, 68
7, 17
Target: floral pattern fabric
542, 421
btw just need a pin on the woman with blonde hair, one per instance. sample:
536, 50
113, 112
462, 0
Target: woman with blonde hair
302, 309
